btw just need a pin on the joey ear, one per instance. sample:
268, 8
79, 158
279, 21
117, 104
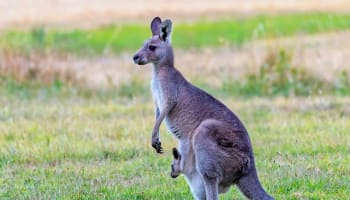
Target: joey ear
176, 154
155, 24
165, 30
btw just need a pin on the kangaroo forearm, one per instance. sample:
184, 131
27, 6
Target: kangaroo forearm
160, 119
157, 112
156, 131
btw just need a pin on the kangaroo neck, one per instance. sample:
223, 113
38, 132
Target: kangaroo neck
167, 61
157, 67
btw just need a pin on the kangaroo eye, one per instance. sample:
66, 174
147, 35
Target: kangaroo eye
152, 47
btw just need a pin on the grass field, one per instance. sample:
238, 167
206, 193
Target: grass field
116, 38
61, 140
65, 145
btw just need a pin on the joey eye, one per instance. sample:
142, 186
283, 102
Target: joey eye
152, 47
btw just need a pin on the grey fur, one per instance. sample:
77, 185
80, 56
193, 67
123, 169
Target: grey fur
214, 146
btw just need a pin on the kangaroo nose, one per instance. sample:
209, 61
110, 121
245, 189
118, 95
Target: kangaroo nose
136, 57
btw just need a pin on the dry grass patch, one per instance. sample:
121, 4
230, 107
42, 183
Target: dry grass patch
37, 66
324, 55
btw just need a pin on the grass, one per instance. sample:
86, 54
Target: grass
278, 76
117, 38
65, 144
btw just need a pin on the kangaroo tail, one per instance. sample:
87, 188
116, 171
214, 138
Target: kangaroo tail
250, 186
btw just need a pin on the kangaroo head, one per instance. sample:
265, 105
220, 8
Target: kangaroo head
157, 49
175, 166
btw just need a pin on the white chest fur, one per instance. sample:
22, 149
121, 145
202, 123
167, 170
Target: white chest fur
157, 92
158, 97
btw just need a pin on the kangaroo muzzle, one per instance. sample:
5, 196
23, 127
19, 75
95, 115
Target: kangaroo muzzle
139, 60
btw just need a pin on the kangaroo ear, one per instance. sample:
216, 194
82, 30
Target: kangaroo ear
155, 26
165, 30
176, 154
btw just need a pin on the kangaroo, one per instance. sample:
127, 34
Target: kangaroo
214, 145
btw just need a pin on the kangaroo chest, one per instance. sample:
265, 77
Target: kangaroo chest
157, 93
159, 98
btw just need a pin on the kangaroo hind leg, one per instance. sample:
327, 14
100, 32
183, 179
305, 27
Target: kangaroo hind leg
207, 163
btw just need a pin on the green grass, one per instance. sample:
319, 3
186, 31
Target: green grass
67, 144
116, 38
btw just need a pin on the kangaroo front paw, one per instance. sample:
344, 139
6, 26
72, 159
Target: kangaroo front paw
157, 145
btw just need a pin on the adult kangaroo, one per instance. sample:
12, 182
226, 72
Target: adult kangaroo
215, 148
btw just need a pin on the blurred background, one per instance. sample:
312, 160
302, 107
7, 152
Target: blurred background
70, 94
91, 42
